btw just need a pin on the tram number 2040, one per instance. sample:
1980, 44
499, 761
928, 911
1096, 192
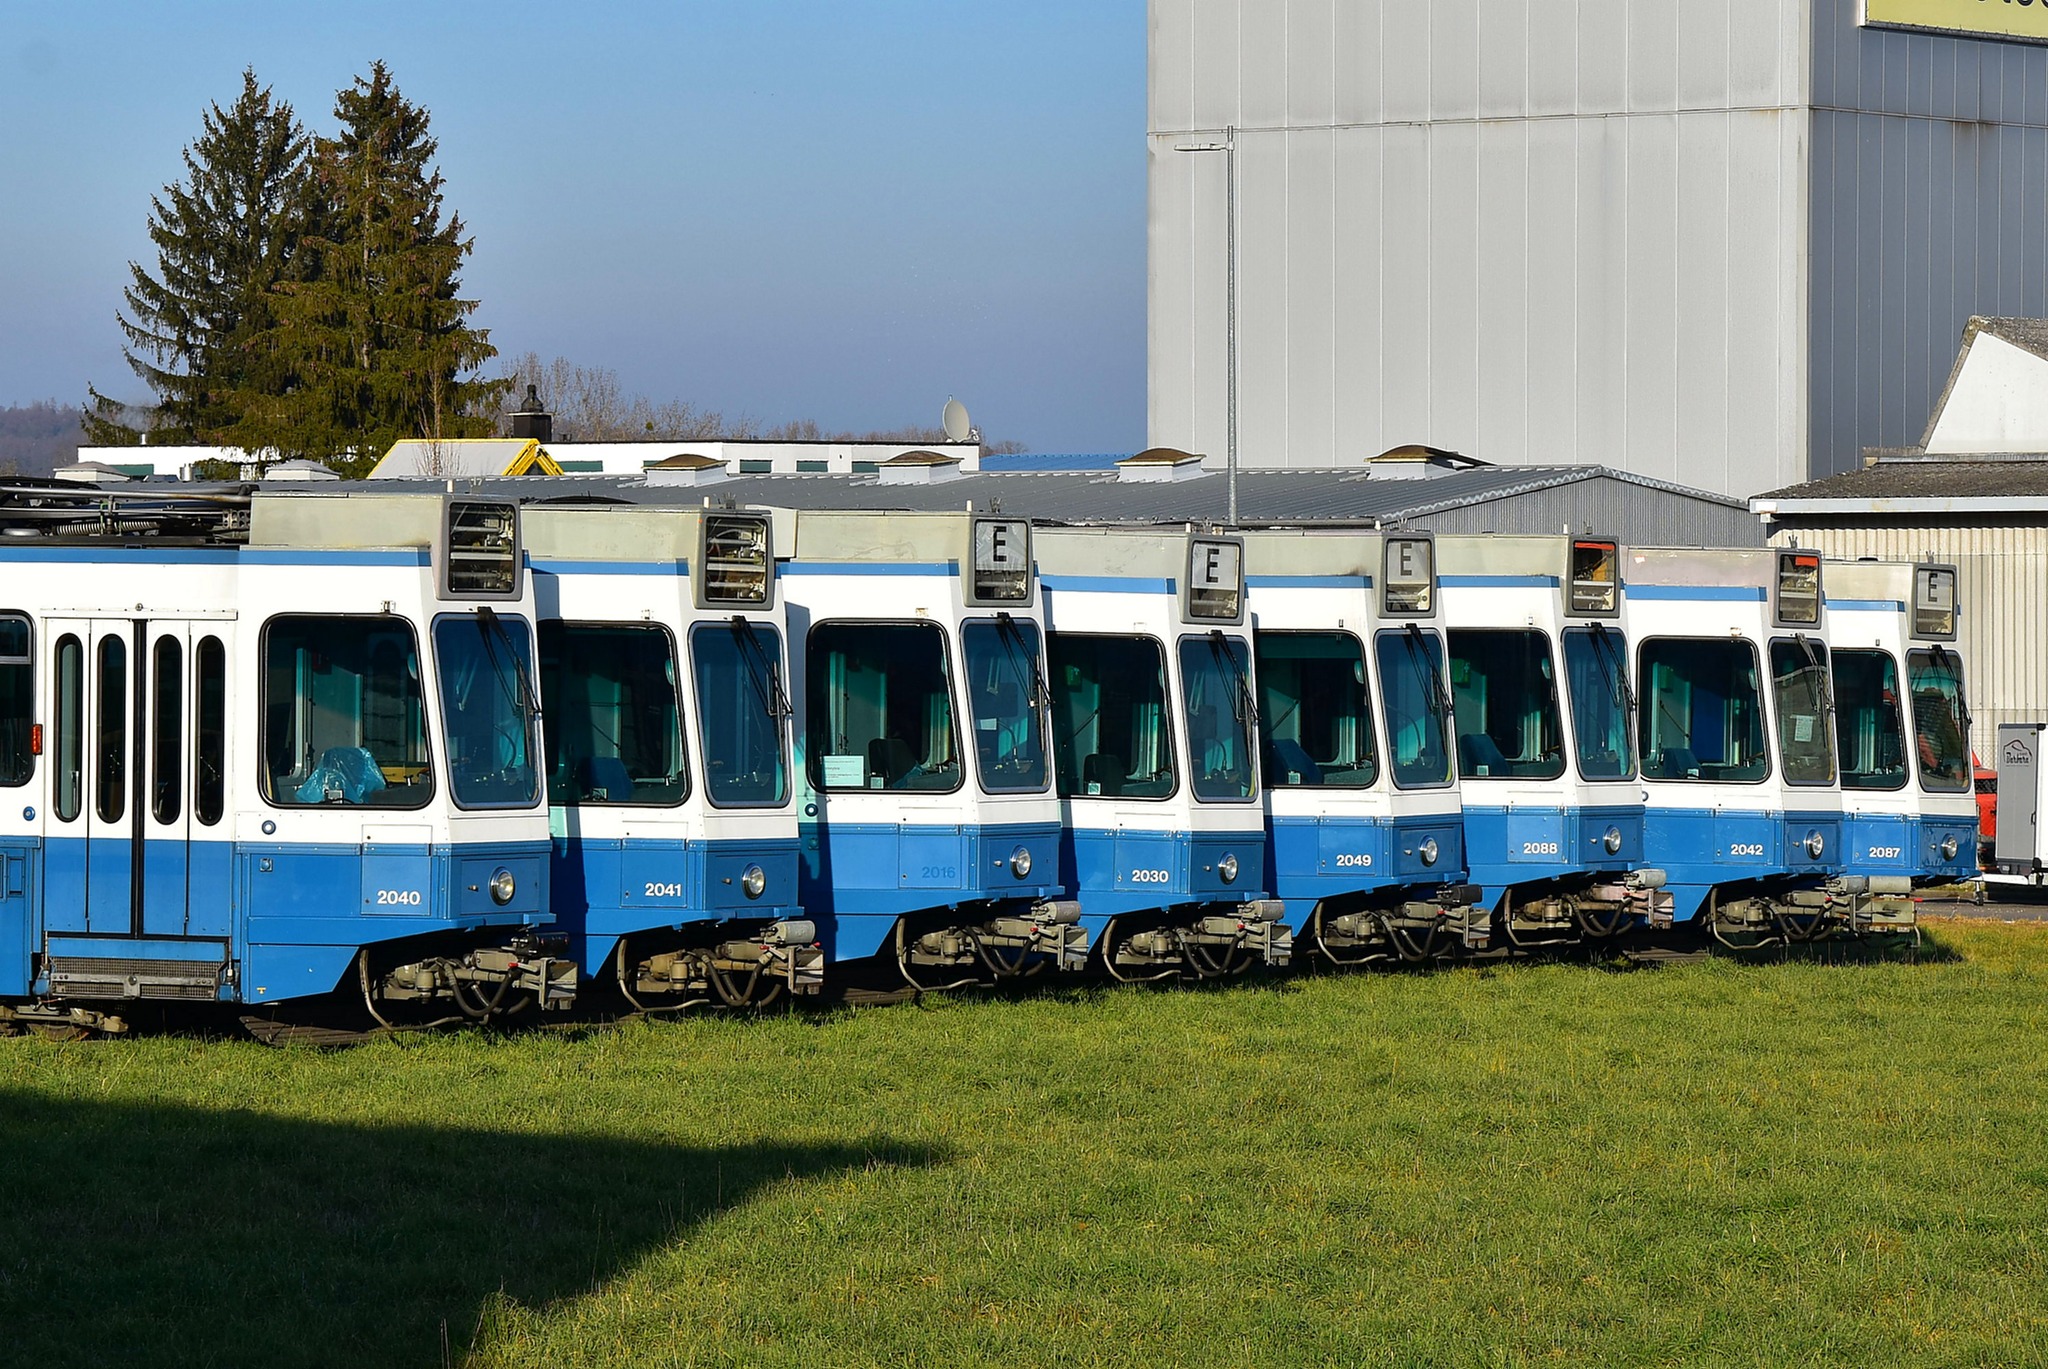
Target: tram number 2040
406, 898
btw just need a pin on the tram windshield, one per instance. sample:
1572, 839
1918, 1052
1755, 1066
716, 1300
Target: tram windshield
1870, 736
880, 702
1416, 705
1006, 703
1216, 690
1596, 670
741, 709
1504, 695
487, 708
1941, 720
1315, 713
615, 732
344, 721
1109, 719
1700, 715
1799, 687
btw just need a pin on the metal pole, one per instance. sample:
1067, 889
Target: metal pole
1230, 312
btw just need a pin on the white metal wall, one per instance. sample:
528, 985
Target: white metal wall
1533, 230
2002, 585
1728, 242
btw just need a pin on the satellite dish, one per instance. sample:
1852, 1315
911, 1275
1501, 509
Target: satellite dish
955, 421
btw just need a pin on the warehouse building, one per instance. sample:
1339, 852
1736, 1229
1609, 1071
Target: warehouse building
1727, 243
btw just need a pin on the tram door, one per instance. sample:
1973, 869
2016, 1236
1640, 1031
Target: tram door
137, 770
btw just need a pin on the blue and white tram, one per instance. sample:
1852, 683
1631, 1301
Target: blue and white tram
1365, 842
290, 755
1540, 689
930, 830
1736, 740
1903, 733
1155, 745
662, 669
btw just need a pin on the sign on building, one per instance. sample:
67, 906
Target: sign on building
2026, 20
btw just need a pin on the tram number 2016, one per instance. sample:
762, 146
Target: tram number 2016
1746, 848
1885, 853
1362, 860
409, 898
1539, 848
655, 890
1150, 877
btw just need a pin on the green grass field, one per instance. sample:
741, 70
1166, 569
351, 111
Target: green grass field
1715, 1163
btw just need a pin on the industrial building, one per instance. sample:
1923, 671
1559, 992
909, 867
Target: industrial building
1728, 243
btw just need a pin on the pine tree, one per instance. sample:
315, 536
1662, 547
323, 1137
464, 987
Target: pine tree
374, 333
225, 236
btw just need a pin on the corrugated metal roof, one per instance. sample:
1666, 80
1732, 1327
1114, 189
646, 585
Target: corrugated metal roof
2016, 477
1264, 496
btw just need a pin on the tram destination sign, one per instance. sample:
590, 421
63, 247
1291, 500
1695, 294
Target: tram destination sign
2023, 21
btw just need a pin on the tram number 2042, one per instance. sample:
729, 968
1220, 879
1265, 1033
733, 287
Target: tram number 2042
1746, 848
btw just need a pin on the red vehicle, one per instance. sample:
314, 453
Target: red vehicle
1987, 812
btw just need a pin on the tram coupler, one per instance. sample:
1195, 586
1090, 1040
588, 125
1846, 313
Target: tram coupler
1637, 896
1010, 943
1877, 903
786, 950
488, 975
1208, 945
15, 1016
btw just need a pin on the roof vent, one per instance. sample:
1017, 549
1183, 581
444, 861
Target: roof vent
91, 473
918, 468
1159, 466
685, 468
1415, 461
532, 420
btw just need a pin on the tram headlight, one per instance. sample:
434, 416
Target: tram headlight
1226, 868
1949, 847
503, 886
1815, 844
1428, 850
1612, 841
1020, 861
753, 881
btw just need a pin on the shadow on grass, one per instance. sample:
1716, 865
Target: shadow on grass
156, 1234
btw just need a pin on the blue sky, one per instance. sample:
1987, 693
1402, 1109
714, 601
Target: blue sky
840, 211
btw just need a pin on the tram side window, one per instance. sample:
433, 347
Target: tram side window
1110, 737
1004, 694
110, 738
344, 721
485, 664
881, 708
1504, 696
166, 721
740, 711
1315, 714
70, 788
1941, 728
615, 733
1868, 731
1216, 696
1700, 716
17, 700
1596, 669
1799, 685
1417, 706
210, 733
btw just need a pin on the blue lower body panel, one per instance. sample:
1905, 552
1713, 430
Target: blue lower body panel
607, 889
1120, 872
1528, 848
289, 919
857, 881
1737, 851
1313, 860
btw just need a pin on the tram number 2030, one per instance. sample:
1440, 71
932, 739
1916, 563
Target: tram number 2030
1150, 877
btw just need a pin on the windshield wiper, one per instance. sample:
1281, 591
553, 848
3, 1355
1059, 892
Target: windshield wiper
1023, 661
761, 671
1244, 706
1424, 663
489, 625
